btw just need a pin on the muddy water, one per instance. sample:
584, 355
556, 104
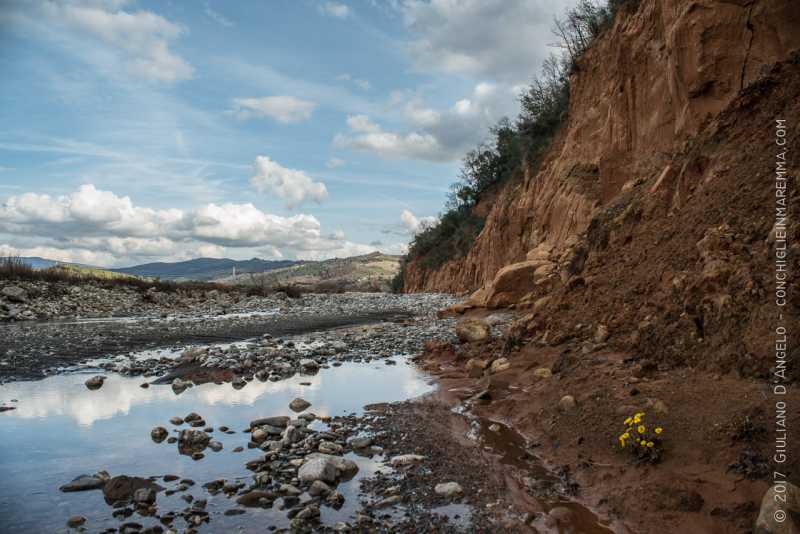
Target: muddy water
60, 430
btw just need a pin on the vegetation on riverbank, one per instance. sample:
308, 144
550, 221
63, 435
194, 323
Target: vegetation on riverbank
15, 269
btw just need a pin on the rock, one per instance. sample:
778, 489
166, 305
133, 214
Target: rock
773, 508
658, 406
177, 421
543, 372
193, 417
15, 294
215, 446
159, 434
329, 447
310, 512
254, 498
121, 489
319, 488
298, 405
84, 483
601, 334
308, 363
95, 382
499, 365
361, 443
319, 466
567, 403
194, 439
318, 469
448, 489
288, 489
472, 330
406, 459
144, 496
179, 386
279, 421
388, 501
75, 521
476, 366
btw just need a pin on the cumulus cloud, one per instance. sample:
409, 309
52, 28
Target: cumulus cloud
504, 40
292, 185
141, 39
98, 227
366, 135
434, 135
285, 109
335, 9
414, 224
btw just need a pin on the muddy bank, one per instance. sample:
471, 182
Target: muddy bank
571, 399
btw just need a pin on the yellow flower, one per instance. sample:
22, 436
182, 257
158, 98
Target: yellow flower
626, 435
659, 430
650, 443
641, 429
628, 421
637, 419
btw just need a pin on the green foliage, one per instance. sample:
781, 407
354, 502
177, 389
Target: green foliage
512, 145
398, 281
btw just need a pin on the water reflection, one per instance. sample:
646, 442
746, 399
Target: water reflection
61, 430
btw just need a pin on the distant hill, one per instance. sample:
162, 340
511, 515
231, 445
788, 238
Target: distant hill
204, 268
39, 263
370, 272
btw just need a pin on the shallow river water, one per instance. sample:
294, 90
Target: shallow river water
60, 430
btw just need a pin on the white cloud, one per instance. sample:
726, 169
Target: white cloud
218, 17
141, 39
361, 83
285, 109
371, 137
335, 9
101, 228
334, 163
435, 135
505, 40
414, 224
293, 186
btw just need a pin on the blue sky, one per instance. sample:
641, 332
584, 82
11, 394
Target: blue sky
145, 131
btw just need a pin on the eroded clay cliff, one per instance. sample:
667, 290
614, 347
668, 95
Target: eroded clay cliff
640, 95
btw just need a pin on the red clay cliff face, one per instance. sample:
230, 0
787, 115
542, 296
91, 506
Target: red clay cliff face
641, 95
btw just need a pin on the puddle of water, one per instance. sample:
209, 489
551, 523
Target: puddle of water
61, 430
513, 450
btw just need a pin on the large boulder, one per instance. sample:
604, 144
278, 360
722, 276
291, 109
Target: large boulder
512, 282
779, 511
14, 294
122, 488
327, 468
472, 330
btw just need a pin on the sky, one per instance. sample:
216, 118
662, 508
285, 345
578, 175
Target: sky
138, 131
